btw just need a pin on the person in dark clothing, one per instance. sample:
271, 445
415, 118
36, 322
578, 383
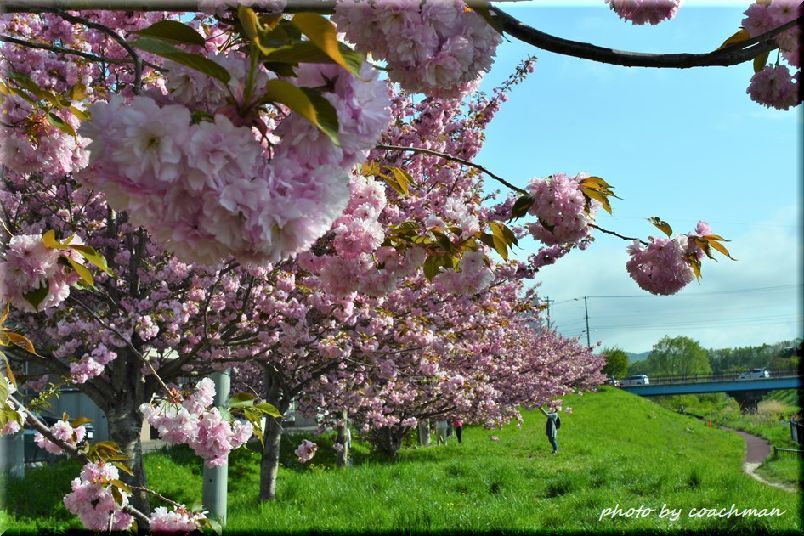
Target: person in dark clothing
551, 427
457, 424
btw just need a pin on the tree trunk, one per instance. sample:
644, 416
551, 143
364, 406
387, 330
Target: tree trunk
389, 440
125, 424
424, 432
269, 465
344, 439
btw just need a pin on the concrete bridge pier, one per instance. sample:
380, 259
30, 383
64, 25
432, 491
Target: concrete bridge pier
748, 400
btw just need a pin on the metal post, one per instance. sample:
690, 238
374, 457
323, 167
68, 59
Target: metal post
547, 301
216, 478
586, 308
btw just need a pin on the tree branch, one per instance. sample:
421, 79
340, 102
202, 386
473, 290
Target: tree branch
111, 33
452, 158
60, 50
731, 55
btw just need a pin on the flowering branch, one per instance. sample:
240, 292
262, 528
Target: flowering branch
73, 452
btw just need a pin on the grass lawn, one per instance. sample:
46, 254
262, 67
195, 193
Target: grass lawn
615, 448
724, 410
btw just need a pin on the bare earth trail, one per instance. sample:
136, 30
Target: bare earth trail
757, 450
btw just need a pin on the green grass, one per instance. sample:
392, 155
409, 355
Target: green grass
723, 410
615, 448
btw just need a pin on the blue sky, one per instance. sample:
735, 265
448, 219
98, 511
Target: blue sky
680, 144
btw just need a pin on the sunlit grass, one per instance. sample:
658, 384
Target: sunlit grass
615, 448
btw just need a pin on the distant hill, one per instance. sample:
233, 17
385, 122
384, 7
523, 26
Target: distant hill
633, 358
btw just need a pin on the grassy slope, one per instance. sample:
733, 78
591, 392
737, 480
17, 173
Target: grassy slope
724, 410
614, 448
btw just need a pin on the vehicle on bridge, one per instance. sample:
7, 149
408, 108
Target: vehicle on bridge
636, 379
754, 374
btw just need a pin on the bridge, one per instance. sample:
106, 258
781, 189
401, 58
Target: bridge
746, 392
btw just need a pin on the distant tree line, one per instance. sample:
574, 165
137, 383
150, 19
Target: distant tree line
683, 356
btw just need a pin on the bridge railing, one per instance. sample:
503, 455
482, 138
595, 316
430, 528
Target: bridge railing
732, 376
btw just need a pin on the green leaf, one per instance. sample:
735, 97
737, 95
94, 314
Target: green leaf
4, 391
82, 271
92, 256
502, 232
248, 21
268, 409
431, 266
80, 114
303, 52
173, 30
60, 124
521, 206
193, 61
37, 296
325, 36
305, 102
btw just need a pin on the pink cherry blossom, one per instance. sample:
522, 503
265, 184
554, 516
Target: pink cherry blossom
774, 87
645, 11
306, 450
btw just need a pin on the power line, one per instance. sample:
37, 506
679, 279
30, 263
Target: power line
710, 293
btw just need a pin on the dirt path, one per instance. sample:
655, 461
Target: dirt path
757, 450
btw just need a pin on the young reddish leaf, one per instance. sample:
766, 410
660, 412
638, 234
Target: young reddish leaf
761, 60
75, 423
590, 193
325, 36
662, 225
20, 340
402, 178
695, 264
721, 248
738, 37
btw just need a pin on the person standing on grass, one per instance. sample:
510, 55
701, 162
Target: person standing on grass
551, 427
457, 424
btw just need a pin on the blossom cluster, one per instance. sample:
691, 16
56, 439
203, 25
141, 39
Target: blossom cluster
560, 207
91, 364
663, 266
30, 267
92, 500
63, 431
774, 85
179, 520
471, 277
192, 422
209, 190
645, 11
436, 46
306, 450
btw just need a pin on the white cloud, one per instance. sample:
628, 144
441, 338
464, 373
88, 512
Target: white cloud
767, 308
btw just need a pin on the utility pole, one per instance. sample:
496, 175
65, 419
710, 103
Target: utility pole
586, 309
547, 301
215, 484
